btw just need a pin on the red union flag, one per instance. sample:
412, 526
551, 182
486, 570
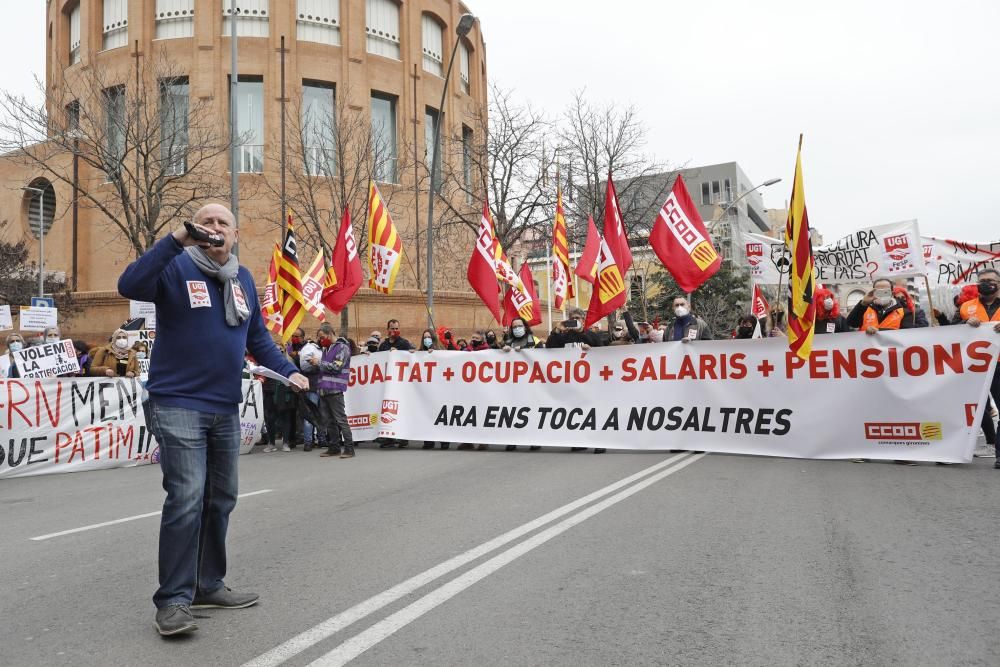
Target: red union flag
759, 307
482, 271
312, 286
680, 240
614, 229
522, 303
344, 276
609, 290
586, 263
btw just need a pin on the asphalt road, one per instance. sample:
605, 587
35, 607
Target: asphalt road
415, 557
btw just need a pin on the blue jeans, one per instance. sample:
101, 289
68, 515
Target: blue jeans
198, 457
308, 430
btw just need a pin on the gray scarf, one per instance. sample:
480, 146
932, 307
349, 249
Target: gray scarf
237, 311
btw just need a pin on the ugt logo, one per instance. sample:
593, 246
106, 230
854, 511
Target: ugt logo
390, 411
755, 253
897, 247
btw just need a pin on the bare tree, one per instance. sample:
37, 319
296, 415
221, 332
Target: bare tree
596, 140
507, 159
149, 153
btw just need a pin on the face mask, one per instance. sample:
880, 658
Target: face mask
296, 340
883, 297
518, 332
325, 342
988, 289
744, 329
428, 342
52, 339
121, 343
491, 337
372, 347
681, 311
618, 333
828, 304
15, 345
140, 355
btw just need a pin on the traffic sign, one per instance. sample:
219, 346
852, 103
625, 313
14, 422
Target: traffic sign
43, 301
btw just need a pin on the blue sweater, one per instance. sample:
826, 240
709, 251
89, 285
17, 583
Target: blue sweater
198, 359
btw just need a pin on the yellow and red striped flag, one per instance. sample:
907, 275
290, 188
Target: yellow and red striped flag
293, 306
802, 310
312, 286
385, 248
562, 286
270, 307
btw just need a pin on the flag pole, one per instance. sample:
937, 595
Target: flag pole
548, 281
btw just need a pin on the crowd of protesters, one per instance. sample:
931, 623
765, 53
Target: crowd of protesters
316, 419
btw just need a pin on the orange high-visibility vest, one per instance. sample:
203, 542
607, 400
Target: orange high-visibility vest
973, 308
891, 321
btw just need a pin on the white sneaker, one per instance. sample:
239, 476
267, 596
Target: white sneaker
269, 449
286, 448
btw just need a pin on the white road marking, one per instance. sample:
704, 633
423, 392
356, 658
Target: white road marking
334, 624
363, 641
125, 520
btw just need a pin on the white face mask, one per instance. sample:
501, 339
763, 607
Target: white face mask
15, 345
518, 332
883, 297
428, 342
121, 343
140, 355
828, 304
681, 311
52, 339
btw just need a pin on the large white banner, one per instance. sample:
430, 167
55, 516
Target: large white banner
915, 394
955, 263
69, 425
883, 251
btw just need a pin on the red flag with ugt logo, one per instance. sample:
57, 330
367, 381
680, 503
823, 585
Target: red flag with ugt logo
759, 307
680, 240
344, 277
522, 303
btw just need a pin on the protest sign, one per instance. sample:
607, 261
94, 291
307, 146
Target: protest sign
73, 424
47, 360
884, 251
147, 336
143, 309
6, 321
916, 394
38, 318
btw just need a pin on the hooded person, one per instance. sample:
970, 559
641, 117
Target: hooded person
116, 359
8, 369
828, 317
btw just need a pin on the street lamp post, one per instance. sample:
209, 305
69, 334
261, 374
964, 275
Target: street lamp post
461, 30
41, 238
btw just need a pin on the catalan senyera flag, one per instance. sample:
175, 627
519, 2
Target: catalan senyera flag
609, 290
562, 286
801, 309
679, 238
293, 307
587, 262
482, 271
312, 286
270, 308
385, 247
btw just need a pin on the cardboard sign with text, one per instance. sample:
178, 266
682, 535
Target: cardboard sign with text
38, 318
47, 360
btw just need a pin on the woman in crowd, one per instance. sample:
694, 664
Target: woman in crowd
8, 369
745, 326
518, 336
83, 356
828, 317
115, 359
429, 343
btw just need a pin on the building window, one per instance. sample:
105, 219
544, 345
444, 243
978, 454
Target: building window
382, 26
115, 24
250, 123
384, 150
73, 116
174, 18
716, 193
47, 200
174, 125
706, 197
463, 66
467, 162
318, 21
318, 128
74, 35
115, 127
251, 19
729, 191
433, 39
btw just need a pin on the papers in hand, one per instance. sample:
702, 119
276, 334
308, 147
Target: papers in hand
266, 372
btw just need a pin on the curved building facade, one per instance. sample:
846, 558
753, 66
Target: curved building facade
378, 65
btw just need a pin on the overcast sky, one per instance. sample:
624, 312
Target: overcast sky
899, 101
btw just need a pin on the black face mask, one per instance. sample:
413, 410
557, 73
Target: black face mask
988, 289
372, 347
746, 330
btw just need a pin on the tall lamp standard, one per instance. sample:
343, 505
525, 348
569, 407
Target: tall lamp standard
41, 237
711, 227
462, 29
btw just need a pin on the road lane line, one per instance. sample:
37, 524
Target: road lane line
334, 624
125, 520
363, 641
